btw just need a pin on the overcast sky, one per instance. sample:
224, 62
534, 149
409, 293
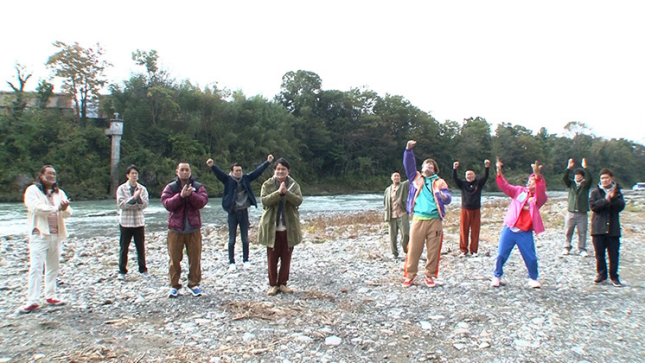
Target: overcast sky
535, 64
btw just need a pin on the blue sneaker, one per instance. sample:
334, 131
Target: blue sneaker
173, 292
195, 290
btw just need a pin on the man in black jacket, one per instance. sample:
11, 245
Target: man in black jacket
237, 198
606, 202
471, 196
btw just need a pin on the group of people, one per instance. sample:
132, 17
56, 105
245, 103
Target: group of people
421, 198
279, 229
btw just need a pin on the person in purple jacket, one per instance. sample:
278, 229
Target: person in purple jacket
183, 198
521, 220
426, 203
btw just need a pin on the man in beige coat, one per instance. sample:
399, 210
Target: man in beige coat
280, 224
395, 201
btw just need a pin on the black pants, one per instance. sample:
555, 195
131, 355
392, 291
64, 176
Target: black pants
612, 246
139, 241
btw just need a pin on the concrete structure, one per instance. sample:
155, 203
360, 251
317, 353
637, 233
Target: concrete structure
115, 131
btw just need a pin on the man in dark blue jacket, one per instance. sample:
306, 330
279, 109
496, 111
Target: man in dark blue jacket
237, 198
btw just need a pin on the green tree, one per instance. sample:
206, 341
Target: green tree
19, 102
82, 73
475, 144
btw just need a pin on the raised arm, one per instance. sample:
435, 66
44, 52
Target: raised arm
455, 178
409, 162
219, 173
588, 177
259, 170
567, 172
483, 180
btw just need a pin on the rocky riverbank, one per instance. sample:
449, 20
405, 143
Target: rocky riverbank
348, 305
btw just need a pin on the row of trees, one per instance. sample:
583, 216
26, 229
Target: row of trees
336, 141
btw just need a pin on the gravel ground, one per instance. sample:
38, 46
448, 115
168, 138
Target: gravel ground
348, 305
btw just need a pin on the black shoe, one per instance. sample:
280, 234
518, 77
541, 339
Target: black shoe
599, 279
616, 282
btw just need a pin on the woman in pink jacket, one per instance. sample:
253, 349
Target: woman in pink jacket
522, 218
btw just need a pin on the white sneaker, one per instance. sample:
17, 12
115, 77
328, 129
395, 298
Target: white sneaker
565, 252
474, 254
534, 284
247, 265
496, 282
463, 254
231, 267
584, 253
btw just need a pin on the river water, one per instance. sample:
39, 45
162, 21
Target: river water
93, 218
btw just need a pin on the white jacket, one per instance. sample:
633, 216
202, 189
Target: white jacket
38, 208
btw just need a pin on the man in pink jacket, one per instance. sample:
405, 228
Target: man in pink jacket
522, 218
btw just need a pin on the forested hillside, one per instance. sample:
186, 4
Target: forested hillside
336, 140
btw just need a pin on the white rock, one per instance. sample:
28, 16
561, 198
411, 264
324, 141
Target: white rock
333, 340
484, 345
425, 325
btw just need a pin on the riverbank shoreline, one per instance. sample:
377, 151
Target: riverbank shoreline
348, 305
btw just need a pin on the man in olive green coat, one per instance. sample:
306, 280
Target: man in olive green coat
280, 224
578, 206
395, 200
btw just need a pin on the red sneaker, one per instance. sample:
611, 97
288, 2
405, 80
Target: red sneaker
55, 302
408, 282
26, 309
430, 282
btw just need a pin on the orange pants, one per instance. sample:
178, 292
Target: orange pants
470, 222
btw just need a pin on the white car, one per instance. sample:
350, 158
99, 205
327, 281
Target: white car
639, 187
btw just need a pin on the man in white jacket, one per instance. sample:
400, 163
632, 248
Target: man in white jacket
47, 208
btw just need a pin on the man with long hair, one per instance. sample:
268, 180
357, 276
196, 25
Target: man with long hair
47, 208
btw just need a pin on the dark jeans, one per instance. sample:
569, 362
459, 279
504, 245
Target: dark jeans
612, 246
241, 218
139, 241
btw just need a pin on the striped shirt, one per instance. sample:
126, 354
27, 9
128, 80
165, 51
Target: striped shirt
130, 209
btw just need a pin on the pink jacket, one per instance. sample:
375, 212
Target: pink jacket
520, 197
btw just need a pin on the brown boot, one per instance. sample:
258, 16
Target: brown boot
273, 290
285, 289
